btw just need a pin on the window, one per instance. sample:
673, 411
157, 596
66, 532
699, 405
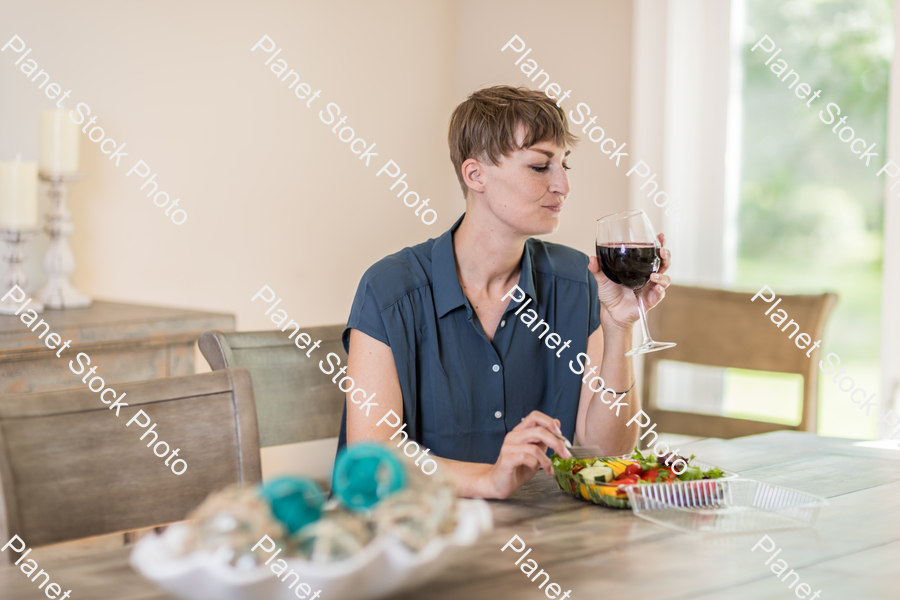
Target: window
790, 206
810, 213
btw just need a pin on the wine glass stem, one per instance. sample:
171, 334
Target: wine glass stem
645, 330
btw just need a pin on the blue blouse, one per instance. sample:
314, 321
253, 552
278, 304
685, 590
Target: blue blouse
462, 393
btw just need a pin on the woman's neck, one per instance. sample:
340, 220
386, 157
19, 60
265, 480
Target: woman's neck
488, 255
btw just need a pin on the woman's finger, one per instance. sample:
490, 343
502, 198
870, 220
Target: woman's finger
540, 437
597, 272
520, 455
529, 455
538, 419
665, 258
542, 459
662, 280
552, 438
653, 295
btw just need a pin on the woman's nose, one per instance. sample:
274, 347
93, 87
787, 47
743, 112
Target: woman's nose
560, 183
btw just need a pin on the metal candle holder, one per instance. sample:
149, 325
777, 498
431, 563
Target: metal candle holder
15, 274
59, 261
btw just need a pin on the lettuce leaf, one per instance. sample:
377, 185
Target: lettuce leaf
713, 473
691, 473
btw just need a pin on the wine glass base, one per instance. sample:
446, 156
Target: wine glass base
650, 346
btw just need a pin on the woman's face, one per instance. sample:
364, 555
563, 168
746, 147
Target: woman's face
528, 188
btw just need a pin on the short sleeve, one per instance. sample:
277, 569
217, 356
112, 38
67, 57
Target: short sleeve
593, 305
365, 315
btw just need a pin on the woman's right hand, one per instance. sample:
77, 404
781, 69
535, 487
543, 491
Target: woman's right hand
524, 451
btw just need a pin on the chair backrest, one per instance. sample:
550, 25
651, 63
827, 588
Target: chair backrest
70, 468
295, 400
720, 328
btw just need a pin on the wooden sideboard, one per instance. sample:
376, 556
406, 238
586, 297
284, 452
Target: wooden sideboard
127, 342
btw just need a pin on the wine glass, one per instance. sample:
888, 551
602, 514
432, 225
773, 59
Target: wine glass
628, 252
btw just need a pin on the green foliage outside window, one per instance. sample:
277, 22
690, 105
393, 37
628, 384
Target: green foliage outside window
811, 213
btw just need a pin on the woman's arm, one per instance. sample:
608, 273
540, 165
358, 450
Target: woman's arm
371, 365
597, 422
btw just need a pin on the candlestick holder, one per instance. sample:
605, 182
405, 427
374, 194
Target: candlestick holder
15, 274
59, 260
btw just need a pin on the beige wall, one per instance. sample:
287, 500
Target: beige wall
586, 47
273, 197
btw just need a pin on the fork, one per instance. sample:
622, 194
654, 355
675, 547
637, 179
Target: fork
584, 451
579, 451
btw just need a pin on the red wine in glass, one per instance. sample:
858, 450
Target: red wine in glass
629, 264
628, 252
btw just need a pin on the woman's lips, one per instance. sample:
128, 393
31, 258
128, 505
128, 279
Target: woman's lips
556, 209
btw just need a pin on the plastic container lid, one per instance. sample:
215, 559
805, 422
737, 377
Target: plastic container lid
724, 506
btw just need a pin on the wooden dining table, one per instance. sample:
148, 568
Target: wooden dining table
852, 550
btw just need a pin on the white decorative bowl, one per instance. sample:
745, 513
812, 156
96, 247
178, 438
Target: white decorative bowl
381, 568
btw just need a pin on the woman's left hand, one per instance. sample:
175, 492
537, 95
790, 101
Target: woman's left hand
620, 301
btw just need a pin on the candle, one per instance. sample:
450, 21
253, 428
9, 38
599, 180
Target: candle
59, 143
18, 194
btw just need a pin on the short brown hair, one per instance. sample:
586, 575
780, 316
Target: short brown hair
484, 125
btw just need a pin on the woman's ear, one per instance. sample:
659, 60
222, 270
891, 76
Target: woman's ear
473, 173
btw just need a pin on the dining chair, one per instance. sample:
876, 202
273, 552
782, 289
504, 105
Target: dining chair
721, 328
295, 400
71, 468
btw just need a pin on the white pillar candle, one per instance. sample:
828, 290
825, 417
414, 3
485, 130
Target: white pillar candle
59, 143
18, 195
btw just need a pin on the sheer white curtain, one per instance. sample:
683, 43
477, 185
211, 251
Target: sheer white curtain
686, 109
890, 290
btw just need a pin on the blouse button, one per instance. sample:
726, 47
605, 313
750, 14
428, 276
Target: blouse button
503, 323
498, 414
496, 368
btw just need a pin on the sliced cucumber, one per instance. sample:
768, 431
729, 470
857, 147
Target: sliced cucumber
599, 473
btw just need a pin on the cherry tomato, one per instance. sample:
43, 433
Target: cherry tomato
633, 469
627, 479
650, 475
577, 468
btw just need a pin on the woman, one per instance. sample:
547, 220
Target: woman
433, 329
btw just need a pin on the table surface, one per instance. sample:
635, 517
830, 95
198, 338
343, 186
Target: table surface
851, 551
108, 322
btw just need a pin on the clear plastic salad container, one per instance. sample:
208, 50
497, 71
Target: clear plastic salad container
724, 505
613, 494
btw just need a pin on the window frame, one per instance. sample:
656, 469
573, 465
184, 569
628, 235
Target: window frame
704, 218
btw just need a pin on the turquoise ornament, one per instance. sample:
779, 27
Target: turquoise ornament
295, 501
366, 473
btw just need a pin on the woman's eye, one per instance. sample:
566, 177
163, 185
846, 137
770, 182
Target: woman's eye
543, 168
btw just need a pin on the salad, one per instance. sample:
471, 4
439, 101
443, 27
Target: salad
599, 480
